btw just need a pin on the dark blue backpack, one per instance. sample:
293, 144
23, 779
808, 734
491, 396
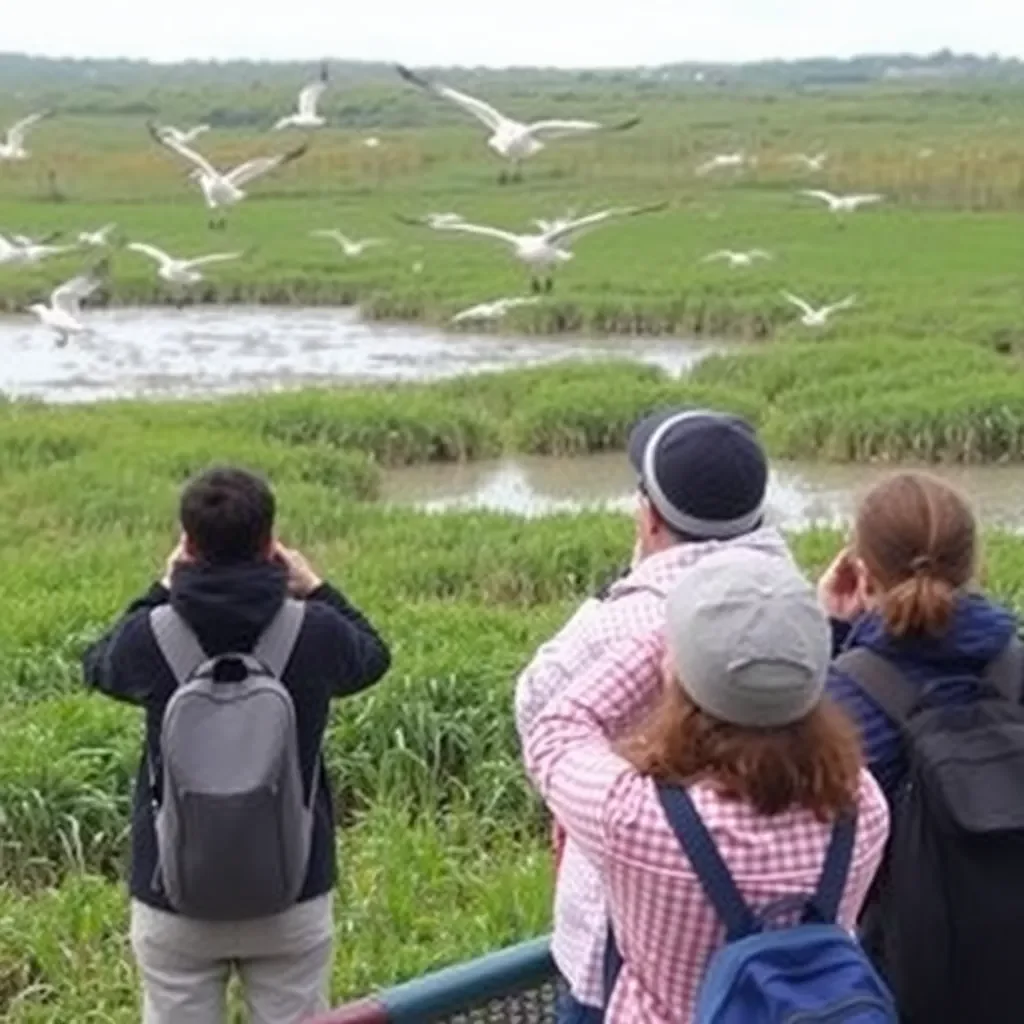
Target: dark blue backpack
813, 972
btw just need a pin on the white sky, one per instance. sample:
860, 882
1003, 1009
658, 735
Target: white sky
568, 33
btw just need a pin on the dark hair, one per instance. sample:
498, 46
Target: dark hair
228, 515
813, 764
917, 538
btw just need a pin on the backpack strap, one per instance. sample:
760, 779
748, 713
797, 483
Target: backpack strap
177, 642
823, 907
715, 878
277, 642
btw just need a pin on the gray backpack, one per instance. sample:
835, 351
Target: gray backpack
233, 829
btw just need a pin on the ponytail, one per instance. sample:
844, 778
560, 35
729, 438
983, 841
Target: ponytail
920, 604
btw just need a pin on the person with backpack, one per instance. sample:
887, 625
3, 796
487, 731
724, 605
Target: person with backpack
932, 671
734, 828
701, 480
235, 656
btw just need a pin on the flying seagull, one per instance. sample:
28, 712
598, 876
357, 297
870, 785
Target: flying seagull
493, 310
817, 317
513, 140
723, 161
20, 250
224, 189
544, 251
13, 146
351, 247
737, 259
809, 163
843, 204
371, 142
62, 314
177, 271
183, 136
306, 115
98, 239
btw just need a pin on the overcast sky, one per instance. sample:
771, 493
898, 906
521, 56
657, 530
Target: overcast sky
568, 33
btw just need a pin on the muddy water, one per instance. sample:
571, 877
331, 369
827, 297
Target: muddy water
165, 353
800, 494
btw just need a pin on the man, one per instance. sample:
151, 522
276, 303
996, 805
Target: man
227, 581
701, 480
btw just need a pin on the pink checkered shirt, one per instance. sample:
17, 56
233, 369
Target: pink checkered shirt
665, 928
634, 607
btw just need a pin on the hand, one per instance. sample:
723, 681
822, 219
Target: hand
302, 580
839, 590
179, 556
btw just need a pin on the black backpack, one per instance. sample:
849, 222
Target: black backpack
945, 920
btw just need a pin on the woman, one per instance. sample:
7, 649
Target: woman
903, 590
741, 724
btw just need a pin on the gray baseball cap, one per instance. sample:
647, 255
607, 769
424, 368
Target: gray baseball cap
748, 639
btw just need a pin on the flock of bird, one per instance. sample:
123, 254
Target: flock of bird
542, 250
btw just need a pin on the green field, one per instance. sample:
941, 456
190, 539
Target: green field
444, 852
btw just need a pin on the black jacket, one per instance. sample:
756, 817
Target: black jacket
337, 653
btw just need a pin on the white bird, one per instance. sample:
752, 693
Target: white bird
224, 189
20, 250
177, 271
372, 142
540, 252
810, 163
513, 140
817, 317
737, 259
183, 136
351, 247
13, 146
843, 204
97, 239
493, 310
62, 314
306, 115
724, 161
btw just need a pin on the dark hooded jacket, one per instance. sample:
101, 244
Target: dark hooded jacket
337, 653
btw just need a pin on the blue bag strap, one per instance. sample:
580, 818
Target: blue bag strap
714, 876
823, 906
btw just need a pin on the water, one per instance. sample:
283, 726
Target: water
213, 350
799, 495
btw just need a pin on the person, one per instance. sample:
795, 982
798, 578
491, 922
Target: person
739, 721
932, 671
702, 478
227, 580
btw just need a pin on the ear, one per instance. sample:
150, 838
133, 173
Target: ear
187, 546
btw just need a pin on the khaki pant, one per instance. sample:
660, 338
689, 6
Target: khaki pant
283, 963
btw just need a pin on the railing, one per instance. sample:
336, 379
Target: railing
517, 985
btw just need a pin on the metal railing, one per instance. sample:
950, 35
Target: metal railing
518, 985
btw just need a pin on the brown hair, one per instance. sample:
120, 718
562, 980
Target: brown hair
917, 538
813, 763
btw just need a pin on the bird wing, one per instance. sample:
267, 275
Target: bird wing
866, 197
799, 303
819, 193
335, 236
193, 133
197, 160
722, 254
555, 129
464, 226
153, 253
472, 312
759, 254
845, 304
214, 257
16, 133
68, 297
256, 168
309, 97
484, 112
573, 227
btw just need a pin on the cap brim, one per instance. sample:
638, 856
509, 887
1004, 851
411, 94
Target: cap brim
642, 432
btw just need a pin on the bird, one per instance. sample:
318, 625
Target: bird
351, 247
810, 163
513, 140
737, 259
21, 250
540, 252
723, 161
493, 310
224, 189
817, 317
97, 239
183, 137
372, 142
843, 204
306, 115
13, 146
62, 314
177, 271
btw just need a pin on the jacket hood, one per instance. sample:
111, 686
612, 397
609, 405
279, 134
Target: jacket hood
979, 630
228, 607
